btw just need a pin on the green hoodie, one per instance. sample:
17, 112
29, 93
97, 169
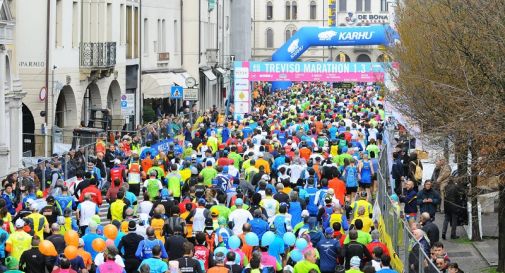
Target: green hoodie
305, 266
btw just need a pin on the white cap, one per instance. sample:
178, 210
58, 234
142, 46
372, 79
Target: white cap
117, 161
305, 213
260, 154
20, 223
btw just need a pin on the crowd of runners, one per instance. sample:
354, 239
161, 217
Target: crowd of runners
289, 188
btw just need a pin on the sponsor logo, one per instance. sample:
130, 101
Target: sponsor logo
327, 35
293, 46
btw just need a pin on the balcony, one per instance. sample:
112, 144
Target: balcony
98, 55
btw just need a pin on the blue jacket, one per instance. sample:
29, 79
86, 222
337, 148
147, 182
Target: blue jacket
9, 204
329, 249
431, 208
259, 226
410, 200
295, 209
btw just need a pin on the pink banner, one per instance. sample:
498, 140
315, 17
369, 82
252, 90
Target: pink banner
325, 77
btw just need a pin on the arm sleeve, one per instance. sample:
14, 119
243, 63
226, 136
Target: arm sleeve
164, 254
138, 253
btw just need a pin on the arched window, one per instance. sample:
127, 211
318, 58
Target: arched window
384, 58
294, 10
342, 57
363, 58
270, 10
270, 38
290, 31
288, 10
313, 10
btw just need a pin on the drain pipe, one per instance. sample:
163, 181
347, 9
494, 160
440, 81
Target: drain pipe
46, 101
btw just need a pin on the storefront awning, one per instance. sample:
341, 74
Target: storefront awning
210, 76
179, 79
221, 71
157, 85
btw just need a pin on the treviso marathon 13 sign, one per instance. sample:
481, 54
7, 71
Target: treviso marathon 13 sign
314, 71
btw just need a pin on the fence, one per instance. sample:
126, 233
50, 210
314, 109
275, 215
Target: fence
78, 159
406, 253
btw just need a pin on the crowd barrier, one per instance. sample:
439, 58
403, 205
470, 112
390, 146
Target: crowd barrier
394, 229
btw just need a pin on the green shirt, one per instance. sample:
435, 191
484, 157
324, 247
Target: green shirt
342, 157
236, 159
208, 173
224, 211
363, 238
305, 266
373, 148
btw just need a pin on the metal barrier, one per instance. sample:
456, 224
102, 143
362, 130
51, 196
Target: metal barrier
408, 256
71, 161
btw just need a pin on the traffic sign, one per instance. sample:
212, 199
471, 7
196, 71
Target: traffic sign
190, 94
176, 92
128, 104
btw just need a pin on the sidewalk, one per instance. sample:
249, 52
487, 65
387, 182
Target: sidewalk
473, 256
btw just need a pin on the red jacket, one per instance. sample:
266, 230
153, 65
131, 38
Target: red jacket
373, 245
96, 194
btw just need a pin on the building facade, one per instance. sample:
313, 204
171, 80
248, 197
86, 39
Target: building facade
79, 52
11, 93
275, 21
186, 43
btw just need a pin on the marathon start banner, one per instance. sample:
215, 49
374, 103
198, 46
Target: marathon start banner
314, 71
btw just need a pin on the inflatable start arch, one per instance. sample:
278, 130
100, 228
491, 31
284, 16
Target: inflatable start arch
306, 37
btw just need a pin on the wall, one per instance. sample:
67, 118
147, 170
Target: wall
279, 24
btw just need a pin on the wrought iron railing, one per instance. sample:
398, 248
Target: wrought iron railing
98, 55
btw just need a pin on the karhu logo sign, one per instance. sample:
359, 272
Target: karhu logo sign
355, 35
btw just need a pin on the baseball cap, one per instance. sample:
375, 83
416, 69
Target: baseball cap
355, 261
132, 226
305, 213
225, 169
117, 161
40, 194
239, 202
11, 262
260, 154
329, 230
201, 201
221, 221
20, 223
50, 199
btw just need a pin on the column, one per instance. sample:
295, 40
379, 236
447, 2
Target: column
4, 149
2, 97
16, 147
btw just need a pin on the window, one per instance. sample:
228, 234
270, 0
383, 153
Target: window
270, 10
163, 36
368, 5
176, 36
129, 32
122, 23
313, 9
289, 32
157, 47
384, 5
59, 23
109, 22
342, 5
288, 10
146, 36
270, 38
363, 58
75, 24
359, 5
294, 9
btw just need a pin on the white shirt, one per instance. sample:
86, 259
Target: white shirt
86, 210
99, 260
145, 207
239, 218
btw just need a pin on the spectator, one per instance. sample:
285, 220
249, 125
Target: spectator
428, 199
